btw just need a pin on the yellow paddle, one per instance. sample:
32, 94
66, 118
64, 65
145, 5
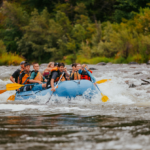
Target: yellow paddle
102, 81
11, 98
104, 97
11, 87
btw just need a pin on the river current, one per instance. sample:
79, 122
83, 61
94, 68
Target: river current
123, 122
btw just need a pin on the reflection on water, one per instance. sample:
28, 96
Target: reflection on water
68, 131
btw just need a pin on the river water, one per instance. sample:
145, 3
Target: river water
121, 123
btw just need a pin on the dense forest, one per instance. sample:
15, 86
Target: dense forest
85, 31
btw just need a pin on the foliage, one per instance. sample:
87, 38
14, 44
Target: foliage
14, 18
2, 48
95, 60
126, 8
10, 59
85, 31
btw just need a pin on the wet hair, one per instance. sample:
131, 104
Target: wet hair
61, 64
74, 65
35, 63
26, 64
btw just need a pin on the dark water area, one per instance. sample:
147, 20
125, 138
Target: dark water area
67, 131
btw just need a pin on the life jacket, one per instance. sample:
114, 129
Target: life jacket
57, 79
38, 77
85, 75
24, 77
75, 76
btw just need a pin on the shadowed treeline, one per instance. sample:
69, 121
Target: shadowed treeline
85, 31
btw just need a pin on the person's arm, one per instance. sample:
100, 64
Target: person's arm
54, 76
52, 85
34, 81
12, 79
80, 71
14, 75
44, 79
66, 73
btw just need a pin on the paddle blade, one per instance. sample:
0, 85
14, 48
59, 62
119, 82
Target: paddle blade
104, 98
11, 98
2, 91
102, 81
13, 86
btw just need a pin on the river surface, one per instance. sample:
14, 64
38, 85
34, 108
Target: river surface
123, 122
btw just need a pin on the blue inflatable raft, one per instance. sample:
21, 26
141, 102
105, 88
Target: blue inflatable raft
66, 89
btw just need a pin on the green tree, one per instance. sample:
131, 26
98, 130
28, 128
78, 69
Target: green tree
126, 8
14, 20
2, 48
39, 36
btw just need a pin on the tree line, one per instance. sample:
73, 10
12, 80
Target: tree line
86, 31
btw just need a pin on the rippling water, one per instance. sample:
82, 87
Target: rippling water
121, 123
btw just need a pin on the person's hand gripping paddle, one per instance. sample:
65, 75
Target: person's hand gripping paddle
55, 87
104, 97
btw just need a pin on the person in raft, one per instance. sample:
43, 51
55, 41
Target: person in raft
78, 67
36, 76
84, 74
24, 77
55, 76
16, 74
74, 75
47, 71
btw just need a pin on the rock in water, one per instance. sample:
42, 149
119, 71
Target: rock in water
101, 63
92, 69
133, 63
132, 85
137, 73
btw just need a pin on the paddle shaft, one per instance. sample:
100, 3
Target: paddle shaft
92, 78
98, 88
55, 87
